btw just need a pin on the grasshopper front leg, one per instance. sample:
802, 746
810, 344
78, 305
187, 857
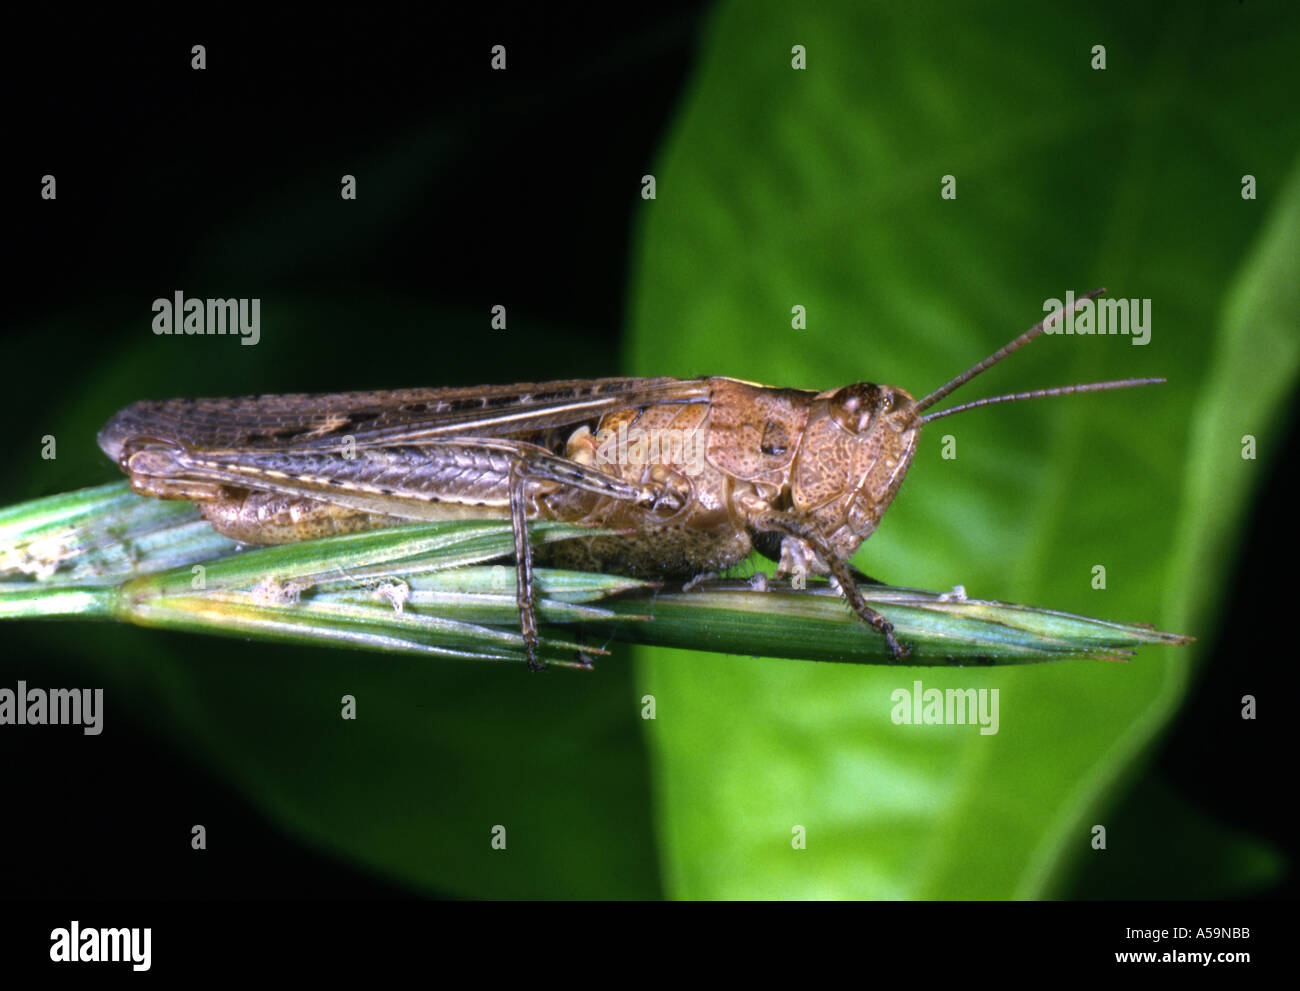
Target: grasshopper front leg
774, 521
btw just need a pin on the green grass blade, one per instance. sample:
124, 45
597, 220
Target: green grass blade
426, 589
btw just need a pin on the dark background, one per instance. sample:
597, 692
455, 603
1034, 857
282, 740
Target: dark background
523, 195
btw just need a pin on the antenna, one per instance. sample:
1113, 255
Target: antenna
1046, 323
1064, 390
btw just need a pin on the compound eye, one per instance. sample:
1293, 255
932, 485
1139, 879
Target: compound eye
894, 404
890, 400
853, 406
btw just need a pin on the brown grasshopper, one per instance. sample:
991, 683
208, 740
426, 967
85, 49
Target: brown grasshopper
718, 467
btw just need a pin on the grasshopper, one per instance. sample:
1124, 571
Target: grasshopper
721, 467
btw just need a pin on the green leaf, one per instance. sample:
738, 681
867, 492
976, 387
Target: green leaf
821, 188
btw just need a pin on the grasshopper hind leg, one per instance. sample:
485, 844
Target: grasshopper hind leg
524, 591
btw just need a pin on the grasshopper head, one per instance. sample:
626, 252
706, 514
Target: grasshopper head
857, 446
859, 442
